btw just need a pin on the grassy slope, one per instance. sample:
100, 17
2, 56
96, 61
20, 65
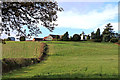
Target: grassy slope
20, 49
74, 59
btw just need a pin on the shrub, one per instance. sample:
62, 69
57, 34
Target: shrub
22, 38
76, 37
3, 42
97, 40
106, 38
113, 40
92, 40
9, 64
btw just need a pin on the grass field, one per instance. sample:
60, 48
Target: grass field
73, 60
20, 49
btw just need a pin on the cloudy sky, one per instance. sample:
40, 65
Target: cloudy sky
84, 16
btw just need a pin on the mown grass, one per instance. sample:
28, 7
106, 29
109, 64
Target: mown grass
74, 60
23, 49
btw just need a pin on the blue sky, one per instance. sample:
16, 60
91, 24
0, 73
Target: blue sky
83, 16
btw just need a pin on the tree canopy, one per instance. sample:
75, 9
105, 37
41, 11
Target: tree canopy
76, 37
108, 32
65, 37
15, 15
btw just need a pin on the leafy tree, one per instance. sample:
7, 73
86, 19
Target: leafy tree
83, 37
88, 37
114, 39
108, 32
65, 37
22, 38
17, 15
98, 36
76, 37
92, 35
57, 37
71, 38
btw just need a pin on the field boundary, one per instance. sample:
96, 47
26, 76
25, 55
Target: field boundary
9, 64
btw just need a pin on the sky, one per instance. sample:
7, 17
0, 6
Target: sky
83, 16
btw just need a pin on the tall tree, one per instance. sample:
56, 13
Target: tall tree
88, 37
98, 36
65, 37
108, 32
92, 35
15, 15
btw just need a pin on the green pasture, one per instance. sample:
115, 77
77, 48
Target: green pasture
23, 49
70, 60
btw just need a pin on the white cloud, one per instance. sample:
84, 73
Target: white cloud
91, 20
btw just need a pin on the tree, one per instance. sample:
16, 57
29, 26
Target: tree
57, 37
92, 35
71, 38
88, 37
22, 38
76, 37
98, 36
65, 37
17, 15
107, 33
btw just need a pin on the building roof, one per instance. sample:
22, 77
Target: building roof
38, 38
54, 36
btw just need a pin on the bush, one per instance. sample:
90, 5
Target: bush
97, 40
113, 40
76, 37
106, 38
9, 64
3, 42
22, 38
92, 40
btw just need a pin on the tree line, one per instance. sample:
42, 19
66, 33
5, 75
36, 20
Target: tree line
108, 35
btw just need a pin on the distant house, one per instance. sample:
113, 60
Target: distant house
83, 36
51, 37
37, 39
11, 38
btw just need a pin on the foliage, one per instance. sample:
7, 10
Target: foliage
98, 36
88, 37
57, 36
71, 38
15, 15
22, 38
106, 38
8, 39
3, 41
107, 33
9, 64
114, 40
76, 37
65, 37
83, 37
92, 35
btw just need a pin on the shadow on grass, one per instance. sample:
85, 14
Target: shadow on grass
69, 77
